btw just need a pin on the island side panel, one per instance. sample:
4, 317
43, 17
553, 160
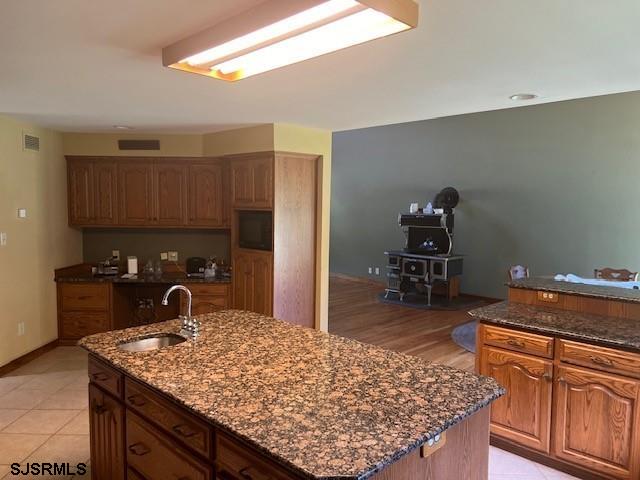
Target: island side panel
465, 455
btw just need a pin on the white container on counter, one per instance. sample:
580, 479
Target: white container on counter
132, 265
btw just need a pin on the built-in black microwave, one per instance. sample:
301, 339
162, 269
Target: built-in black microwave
255, 230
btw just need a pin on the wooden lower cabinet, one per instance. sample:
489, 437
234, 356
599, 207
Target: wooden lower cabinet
84, 308
207, 298
569, 408
253, 281
524, 415
598, 421
106, 424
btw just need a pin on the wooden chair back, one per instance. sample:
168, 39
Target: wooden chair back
517, 272
618, 274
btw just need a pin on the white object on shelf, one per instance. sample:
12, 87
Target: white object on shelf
132, 265
413, 208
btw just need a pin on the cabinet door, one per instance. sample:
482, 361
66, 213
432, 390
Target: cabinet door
135, 195
106, 193
262, 284
170, 192
81, 192
242, 285
106, 422
262, 182
597, 422
241, 183
206, 201
524, 413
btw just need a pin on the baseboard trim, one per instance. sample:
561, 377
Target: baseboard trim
27, 357
382, 284
538, 457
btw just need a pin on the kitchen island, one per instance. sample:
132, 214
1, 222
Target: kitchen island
569, 356
257, 398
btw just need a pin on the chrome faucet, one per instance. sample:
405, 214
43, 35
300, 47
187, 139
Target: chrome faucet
190, 326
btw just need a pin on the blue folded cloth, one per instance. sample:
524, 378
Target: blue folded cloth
570, 277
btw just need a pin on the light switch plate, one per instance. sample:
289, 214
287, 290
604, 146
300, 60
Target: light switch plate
22, 213
173, 256
115, 254
164, 256
3, 239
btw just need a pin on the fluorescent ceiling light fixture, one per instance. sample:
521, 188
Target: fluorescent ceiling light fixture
277, 33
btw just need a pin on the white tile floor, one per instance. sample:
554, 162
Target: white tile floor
43, 416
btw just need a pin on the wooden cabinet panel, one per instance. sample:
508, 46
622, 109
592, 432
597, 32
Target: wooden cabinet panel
252, 181
84, 296
236, 461
206, 200
106, 193
155, 456
135, 192
106, 423
600, 358
107, 378
76, 325
524, 413
533, 344
81, 194
170, 193
176, 422
253, 282
597, 422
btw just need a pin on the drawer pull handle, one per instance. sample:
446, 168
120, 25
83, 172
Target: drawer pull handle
250, 473
99, 409
605, 362
183, 431
516, 343
139, 449
134, 400
100, 377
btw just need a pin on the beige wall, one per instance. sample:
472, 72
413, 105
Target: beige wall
241, 140
292, 138
107, 144
36, 245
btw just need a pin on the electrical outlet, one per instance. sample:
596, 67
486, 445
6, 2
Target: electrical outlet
3, 239
21, 328
370, 270
115, 254
145, 303
173, 256
164, 256
377, 270
22, 213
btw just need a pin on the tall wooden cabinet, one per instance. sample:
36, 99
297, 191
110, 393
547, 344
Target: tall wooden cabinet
280, 282
106, 423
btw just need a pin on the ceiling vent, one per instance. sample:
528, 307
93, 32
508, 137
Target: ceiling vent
30, 142
139, 144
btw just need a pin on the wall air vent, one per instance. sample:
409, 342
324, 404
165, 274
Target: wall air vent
139, 144
30, 142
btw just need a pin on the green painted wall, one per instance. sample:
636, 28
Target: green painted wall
553, 186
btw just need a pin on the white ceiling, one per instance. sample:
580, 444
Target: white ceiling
79, 65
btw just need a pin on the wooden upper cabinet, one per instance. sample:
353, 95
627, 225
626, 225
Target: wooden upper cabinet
597, 421
135, 192
81, 193
524, 413
170, 192
252, 181
206, 195
105, 175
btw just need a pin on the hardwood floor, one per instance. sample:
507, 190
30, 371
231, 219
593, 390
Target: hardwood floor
354, 312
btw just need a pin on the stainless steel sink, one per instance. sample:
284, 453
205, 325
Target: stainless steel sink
152, 342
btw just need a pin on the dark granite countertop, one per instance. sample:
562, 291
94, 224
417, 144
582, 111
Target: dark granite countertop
611, 331
165, 279
548, 284
324, 406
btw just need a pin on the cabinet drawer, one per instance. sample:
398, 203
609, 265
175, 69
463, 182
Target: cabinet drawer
208, 304
84, 296
236, 461
105, 377
156, 456
208, 289
81, 324
190, 430
600, 358
519, 341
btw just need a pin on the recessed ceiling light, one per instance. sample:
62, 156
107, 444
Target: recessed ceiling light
523, 96
276, 33
122, 127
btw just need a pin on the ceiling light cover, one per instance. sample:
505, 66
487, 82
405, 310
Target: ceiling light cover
523, 96
277, 33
